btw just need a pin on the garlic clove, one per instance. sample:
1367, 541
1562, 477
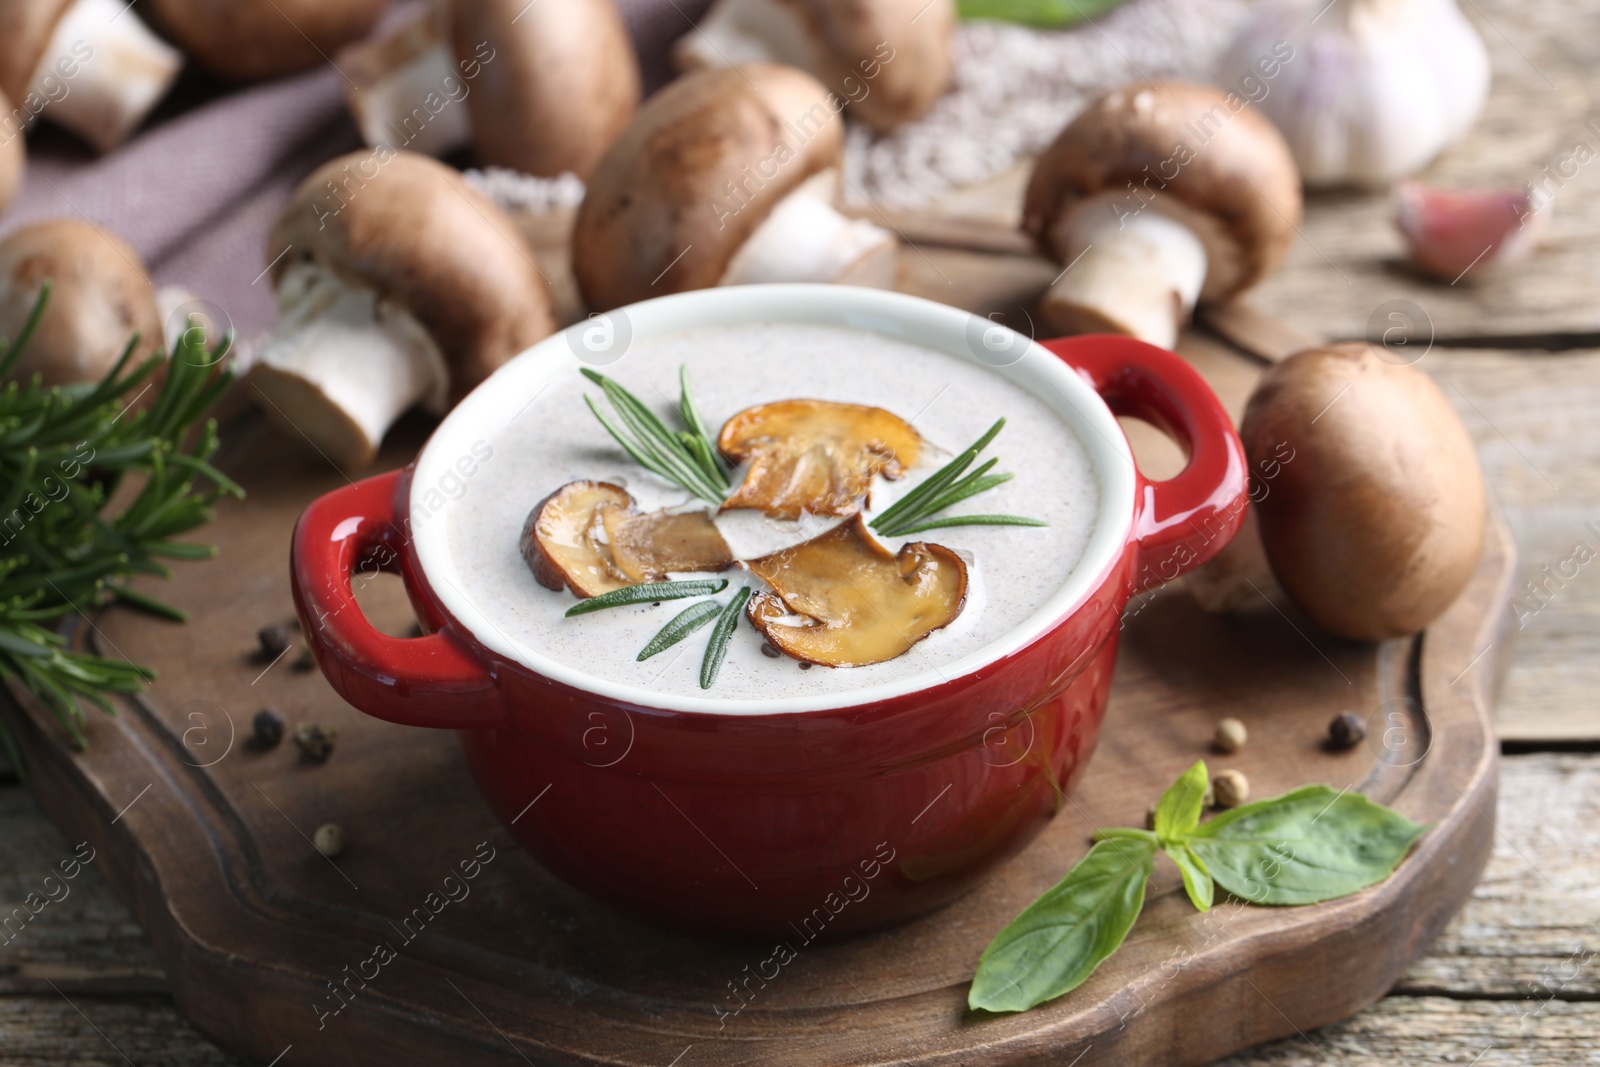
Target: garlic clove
1450, 232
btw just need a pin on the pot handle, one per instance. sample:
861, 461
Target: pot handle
1187, 519
424, 681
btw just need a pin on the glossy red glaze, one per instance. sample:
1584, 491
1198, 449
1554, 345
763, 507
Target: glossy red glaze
798, 826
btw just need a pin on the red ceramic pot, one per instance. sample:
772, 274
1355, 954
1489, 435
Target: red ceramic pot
800, 821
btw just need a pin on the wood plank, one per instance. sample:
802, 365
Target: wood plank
1532, 416
1532, 928
45, 1030
1417, 1030
82, 937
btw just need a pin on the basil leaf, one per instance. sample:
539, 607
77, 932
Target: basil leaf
1064, 935
1308, 845
1197, 881
1179, 809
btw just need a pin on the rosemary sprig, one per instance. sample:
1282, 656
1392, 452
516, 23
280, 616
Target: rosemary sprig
648, 593
682, 625
684, 457
717, 647
64, 452
945, 488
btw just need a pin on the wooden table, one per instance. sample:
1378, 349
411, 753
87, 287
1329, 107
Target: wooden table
1515, 979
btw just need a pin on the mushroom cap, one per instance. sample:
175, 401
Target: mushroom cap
251, 40
410, 228
1225, 171
25, 29
562, 84
896, 51
13, 158
1375, 519
99, 297
668, 193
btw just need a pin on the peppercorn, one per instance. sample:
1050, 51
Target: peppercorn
266, 729
329, 839
1347, 730
1231, 789
315, 740
274, 641
305, 661
769, 652
1231, 735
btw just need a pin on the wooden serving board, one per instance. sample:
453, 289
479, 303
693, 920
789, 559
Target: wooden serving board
208, 838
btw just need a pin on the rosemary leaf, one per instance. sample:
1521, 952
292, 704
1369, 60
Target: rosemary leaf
648, 593
75, 447
682, 625
717, 647
969, 520
966, 488
912, 504
716, 468
151, 605
685, 458
946, 487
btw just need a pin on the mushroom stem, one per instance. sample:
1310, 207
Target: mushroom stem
735, 32
404, 97
103, 72
805, 239
1139, 275
343, 365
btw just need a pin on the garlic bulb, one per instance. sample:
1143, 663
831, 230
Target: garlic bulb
1373, 90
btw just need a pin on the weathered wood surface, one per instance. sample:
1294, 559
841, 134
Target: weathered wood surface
1519, 967
1533, 418
1511, 981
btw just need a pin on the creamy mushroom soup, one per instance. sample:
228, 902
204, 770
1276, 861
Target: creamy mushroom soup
1011, 570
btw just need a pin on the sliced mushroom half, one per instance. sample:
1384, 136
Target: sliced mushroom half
815, 456
588, 537
843, 600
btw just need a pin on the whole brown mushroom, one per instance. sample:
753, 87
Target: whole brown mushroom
99, 298
397, 284
1157, 196
13, 156
539, 88
253, 40
92, 65
889, 58
1376, 523
725, 177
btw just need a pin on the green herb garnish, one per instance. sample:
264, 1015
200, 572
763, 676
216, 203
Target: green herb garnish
687, 458
648, 593
65, 451
682, 625
1046, 14
1306, 846
717, 647
945, 488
